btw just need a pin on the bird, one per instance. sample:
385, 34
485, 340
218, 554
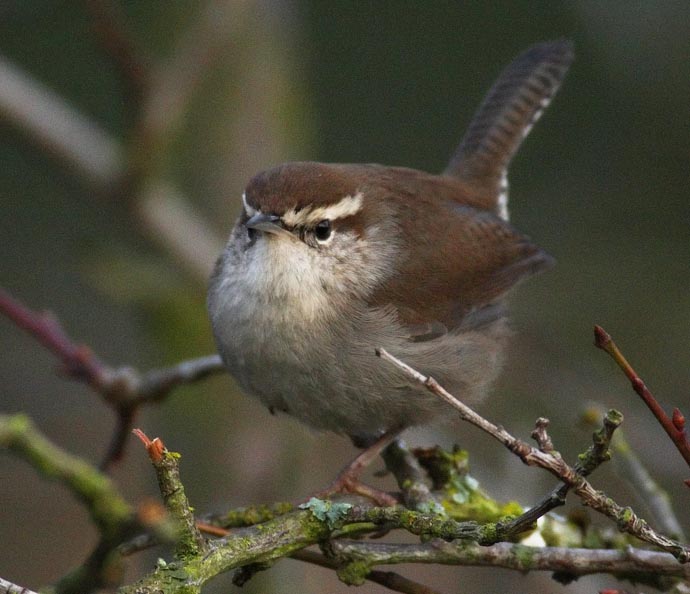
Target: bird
328, 262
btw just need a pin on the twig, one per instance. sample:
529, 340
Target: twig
124, 389
625, 518
78, 361
190, 543
118, 441
388, 579
10, 588
595, 455
675, 425
647, 488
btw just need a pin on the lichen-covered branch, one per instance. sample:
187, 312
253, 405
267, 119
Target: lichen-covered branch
107, 508
452, 543
189, 540
410, 477
631, 563
115, 519
388, 579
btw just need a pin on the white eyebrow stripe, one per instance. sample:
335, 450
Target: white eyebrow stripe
251, 211
345, 207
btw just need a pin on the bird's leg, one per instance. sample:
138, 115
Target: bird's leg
348, 481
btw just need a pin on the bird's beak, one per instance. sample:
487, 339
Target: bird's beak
268, 223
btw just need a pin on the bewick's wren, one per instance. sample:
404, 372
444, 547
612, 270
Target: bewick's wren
327, 262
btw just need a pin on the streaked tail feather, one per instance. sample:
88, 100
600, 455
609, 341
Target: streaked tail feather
512, 106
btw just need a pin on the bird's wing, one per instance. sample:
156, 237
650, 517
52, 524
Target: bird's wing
463, 261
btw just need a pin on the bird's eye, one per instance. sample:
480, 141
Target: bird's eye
323, 230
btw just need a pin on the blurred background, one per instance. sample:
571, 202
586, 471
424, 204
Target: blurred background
112, 223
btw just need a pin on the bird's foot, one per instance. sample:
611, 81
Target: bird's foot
348, 481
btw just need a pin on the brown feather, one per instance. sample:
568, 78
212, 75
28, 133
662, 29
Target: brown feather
464, 258
511, 107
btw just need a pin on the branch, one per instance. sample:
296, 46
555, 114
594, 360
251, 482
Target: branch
410, 477
388, 579
595, 455
189, 542
464, 543
647, 488
77, 360
113, 516
58, 127
625, 518
124, 389
631, 563
160, 209
10, 588
675, 426
107, 508
283, 533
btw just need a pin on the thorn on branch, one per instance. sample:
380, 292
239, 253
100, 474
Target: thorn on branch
541, 436
154, 447
678, 419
